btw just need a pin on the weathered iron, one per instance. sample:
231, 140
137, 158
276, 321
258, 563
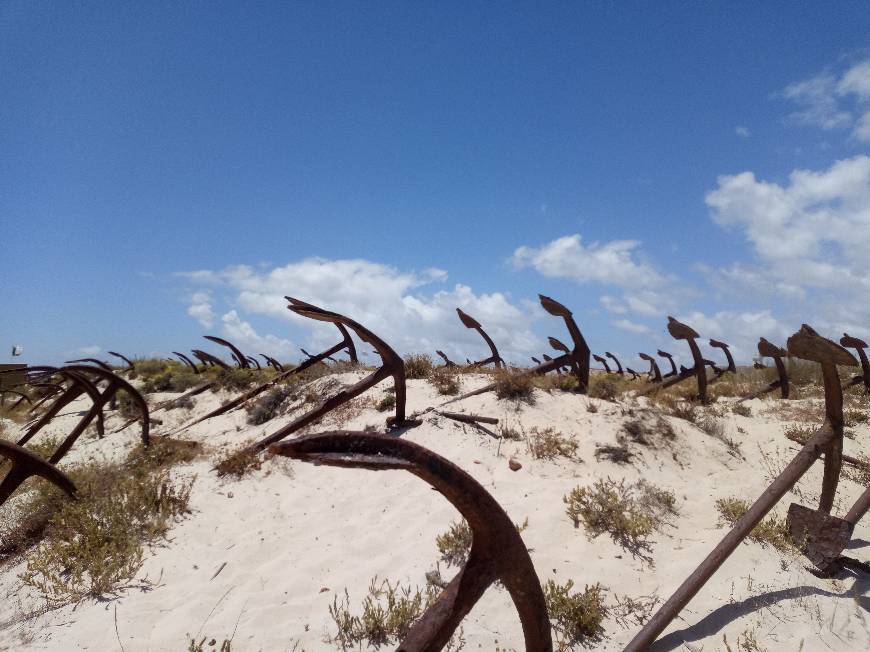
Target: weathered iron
558, 345
535, 360
80, 383
721, 345
254, 362
277, 366
238, 356
603, 361
859, 345
634, 374
580, 354
124, 358
654, 372
25, 464
209, 360
99, 363
470, 322
806, 344
769, 350
497, 550
447, 361
187, 361
468, 418
615, 361
670, 358
309, 356
548, 358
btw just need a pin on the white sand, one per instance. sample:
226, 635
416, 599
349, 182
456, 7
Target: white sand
293, 535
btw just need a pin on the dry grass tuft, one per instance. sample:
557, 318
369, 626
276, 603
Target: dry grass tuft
418, 365
772, 531
576, 617
269, 405
629, 513
515, 385
446, 380
607, 386
548, 444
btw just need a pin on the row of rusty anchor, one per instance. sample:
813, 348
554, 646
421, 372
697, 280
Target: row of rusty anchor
680, 331
577, 359
497, 554
393, 365
822, 536
470, 322
82, 379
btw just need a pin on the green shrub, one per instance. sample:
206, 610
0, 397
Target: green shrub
606, 386
772, 531
455, 544
576, 617
629, 513
548, 444
387, 403
742, 410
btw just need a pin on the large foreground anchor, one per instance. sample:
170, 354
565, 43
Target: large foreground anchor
497, 551
808, 345
470, 322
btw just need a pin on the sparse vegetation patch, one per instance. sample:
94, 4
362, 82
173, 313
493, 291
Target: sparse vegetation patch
548, 444
772, 531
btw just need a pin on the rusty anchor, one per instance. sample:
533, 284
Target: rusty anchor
670, 358
580, 354
535, 360
78, 377
130, 365
654, 372
470, 322
769, 350
187, 361
634, 374
859, 345
272, 362
806, 344
680, 331
615, 361
731, 367
497, 551
447, 361
602, 361
209, 360
26, 463
238, 356
99, 363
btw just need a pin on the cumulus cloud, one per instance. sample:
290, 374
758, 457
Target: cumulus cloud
834, 101
628, 325
740, 330
200, 309
406, 308
91, 350
743, 132
615, 262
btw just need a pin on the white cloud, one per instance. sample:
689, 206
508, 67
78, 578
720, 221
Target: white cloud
743, 132
613, 305
740, 330
832, 101
628, 325
399, 306
609, 263
201, 310
243, 335
91, 350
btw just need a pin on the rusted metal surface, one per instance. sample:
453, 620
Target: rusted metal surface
632, 372
670, 358
129, 362
25, 464
548, 358
309, 356
859, 345
272, 362
654, 372
392, 366
254, 362
721, 345
680, 331
239, 357
580, 354
615, 361
470, 322
768, 350
99, 363
535, 360
12, 375
187, 361
602, 361
468, 418
79, 377
808, 345
497, 551
447, 361
209, 360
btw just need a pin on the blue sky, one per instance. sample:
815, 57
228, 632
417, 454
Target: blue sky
169, 170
